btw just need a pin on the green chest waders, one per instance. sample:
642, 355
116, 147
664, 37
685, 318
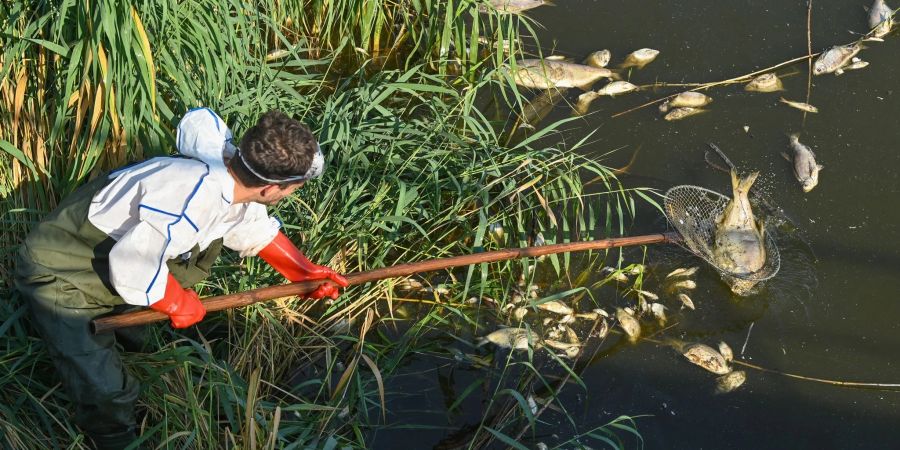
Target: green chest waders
63, 271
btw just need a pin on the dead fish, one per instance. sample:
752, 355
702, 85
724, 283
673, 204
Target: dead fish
683, 272
726, 352
513, 6
690, 99
598, 59
568, 318
805, 167
520, 313
730, 381
583, 104
800, 105
573, 352
707, 358
659, 311
856, 64
537, 109
616, 88
555, 307
601, 311
572, 336
628, 323
559, 345
409, 284
686, 301
587, 316
681, 113
767, 82
647, 294
739, 237
880, 19
835, 58
514, 338
640, 58
602, 329
636, 269
685, 284
543, 74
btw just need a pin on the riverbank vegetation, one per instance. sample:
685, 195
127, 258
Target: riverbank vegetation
410, 106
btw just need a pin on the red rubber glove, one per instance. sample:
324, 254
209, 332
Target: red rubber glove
181, 305
289, 261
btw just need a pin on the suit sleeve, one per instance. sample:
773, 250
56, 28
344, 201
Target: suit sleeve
254, 232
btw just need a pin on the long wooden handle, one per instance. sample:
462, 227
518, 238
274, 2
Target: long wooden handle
220, 302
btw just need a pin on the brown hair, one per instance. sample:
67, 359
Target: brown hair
277, 147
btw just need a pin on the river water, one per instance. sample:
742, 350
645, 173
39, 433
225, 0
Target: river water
832, 310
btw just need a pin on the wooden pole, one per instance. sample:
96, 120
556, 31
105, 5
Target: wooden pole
221, 302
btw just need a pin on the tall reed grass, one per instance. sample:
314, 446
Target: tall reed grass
416, 170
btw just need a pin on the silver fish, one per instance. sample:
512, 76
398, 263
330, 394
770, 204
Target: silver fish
572, 336
538, 74
555, 307
681, 113
739, 237
647, 294
685, 284
707, 358
880, 19
514, 338
805, 167
726, 352
686, 301
799, 105
683, 272
640, 58
628, 323
690, 99
513, 6
598, 59
835, 58
856, 64
616, 88
520, 313
659, 311
767, 82
559, 345
730, 381
587, 316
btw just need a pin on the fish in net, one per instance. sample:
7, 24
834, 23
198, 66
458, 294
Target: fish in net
694, 212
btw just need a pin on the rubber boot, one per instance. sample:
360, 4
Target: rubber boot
118, 440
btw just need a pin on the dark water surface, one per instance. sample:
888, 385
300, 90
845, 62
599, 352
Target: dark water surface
833, 310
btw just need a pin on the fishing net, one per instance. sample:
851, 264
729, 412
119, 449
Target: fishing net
693, 211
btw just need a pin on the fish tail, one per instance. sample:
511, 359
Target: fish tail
794, 137
549, 3
615, 75
742, 186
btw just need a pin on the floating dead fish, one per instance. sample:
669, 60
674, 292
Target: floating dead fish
572, 336
726, 352
583, 104
688, 99
686, 301
409, 284
616, 88
559, 345
599, 59
542, 74
520, 313
554, 334
880, 19
513, 6
659, 311
514, 338
856, 64
683, 272
647, 294
587, 316
685, 284
835, 58
707, 358
767, 82
601, 311
573, 352
804, 161
730, 381
568, 318
640, 58
628, 323
637, 269
555, 307
602, 329
681, 113
799, 105
547, 320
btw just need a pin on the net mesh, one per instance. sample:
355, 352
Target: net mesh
693, 211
